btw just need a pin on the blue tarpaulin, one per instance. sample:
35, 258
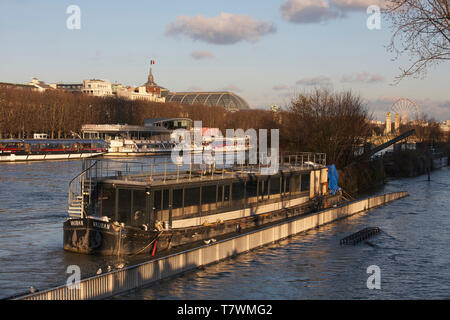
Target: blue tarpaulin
332, 179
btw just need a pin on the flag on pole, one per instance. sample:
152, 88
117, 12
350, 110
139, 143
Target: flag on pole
152, 61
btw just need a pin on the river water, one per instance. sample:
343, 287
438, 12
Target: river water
412, 251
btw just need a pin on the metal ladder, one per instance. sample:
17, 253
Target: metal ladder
76, 207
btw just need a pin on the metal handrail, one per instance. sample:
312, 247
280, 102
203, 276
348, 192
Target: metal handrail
72, 194
115, 168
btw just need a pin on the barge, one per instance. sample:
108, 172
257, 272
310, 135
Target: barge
129, 208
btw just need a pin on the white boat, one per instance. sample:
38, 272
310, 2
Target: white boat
16, 150
130, 147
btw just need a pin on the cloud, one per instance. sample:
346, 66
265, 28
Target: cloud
315, 11
280, 87
199, 55
363, 77
224, 29
307, 11
315, 81
355, 5
231, 87
194, 88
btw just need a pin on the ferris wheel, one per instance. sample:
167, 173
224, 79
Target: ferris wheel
406, 109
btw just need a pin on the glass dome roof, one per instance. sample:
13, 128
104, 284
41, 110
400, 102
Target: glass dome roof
228, 100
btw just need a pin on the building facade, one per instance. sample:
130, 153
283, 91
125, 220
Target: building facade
98, 88
139, 93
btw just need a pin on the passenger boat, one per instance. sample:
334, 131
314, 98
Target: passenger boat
224, 144
118, 208
130, 147
14, 150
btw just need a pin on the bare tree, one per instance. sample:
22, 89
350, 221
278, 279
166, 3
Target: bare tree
421, 29
324, 121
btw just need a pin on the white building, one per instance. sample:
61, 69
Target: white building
139, 93
98, 88
41, 86
445, 127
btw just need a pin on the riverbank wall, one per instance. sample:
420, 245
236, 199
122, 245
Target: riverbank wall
132, 277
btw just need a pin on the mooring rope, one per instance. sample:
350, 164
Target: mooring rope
148, 245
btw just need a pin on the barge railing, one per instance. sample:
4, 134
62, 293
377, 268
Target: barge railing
163, 167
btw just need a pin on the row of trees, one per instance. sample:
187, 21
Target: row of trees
61, 114
320, 121
335, 123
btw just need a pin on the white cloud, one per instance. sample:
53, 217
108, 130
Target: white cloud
314, 11
231, 87
307, 11
315, 81
280, 87
224, 29
199, 55
351, 5
194, 88
363, 77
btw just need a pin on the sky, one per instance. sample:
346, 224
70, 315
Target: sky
265, 51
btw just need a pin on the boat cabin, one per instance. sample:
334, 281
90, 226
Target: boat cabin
183, 200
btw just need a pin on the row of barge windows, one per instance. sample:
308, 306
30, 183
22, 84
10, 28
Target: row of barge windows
135, 207
38, 146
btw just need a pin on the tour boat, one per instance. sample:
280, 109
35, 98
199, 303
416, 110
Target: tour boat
131, 147
128, 208
14, 150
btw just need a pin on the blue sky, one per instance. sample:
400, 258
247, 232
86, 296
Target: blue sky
266, 53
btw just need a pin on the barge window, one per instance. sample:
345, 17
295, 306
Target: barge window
139, 212
107, 201
177, 202
125, 206
295, 184
223, 196
191, 200
157, 200
252, 190
209, 198
306, 182
263, 189
161, 204
226, 196
275, 186
288, 185
238, 192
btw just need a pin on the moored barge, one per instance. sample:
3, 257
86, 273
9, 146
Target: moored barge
133, 208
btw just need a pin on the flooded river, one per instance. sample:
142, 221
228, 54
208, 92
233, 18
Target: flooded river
411, 251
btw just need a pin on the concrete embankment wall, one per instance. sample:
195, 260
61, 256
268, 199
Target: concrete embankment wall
113, 283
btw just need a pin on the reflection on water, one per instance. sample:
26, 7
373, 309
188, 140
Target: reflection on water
411, 250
